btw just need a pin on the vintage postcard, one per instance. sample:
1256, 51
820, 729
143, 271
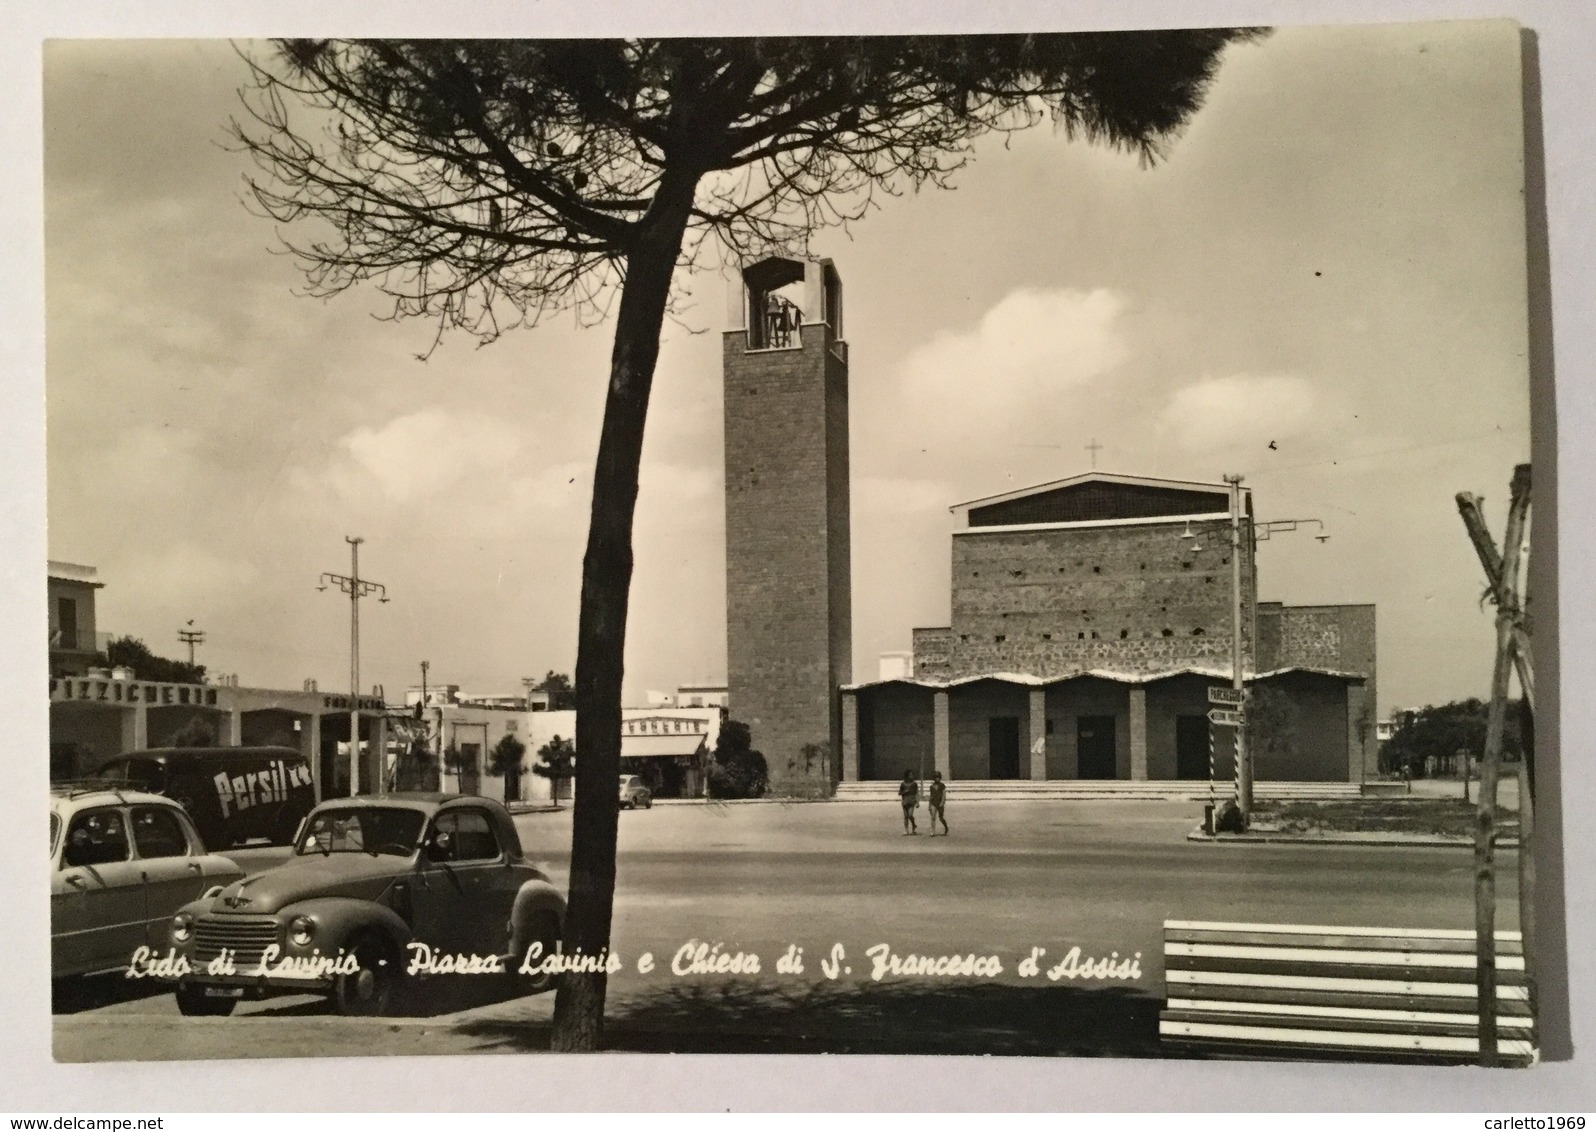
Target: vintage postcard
893, 545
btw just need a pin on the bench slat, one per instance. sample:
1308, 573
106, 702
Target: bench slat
1328, 1039
1365, 983
1343, 940
1457, 1026
1505, 976
1330, 929
1285, 996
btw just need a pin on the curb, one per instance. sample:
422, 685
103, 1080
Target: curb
1373, 841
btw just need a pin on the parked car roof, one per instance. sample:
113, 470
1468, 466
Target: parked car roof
74, 795
431, 802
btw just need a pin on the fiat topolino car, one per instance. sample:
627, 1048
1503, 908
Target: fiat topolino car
121, 862
375, 888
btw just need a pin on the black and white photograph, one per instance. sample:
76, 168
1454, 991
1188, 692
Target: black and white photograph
991, 545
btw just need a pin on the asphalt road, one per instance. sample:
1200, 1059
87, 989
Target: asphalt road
756, 878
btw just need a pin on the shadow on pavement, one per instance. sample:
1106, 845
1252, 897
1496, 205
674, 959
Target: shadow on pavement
970, 1019
422, 998
91, 992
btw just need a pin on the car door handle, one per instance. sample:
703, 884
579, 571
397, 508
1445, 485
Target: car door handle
76, 881
194, 867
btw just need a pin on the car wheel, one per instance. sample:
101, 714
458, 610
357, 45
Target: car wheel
368, 991
193, 1002
545, 930
648, 804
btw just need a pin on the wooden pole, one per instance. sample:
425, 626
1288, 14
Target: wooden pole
1469, 506
1485, 826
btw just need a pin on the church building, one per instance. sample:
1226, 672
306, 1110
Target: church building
1089, 619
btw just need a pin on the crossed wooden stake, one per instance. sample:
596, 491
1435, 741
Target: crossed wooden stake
1502, 576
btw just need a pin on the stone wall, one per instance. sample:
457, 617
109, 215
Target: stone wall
1130, 598
933, 653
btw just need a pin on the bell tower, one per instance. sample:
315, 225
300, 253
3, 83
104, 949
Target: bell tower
789, 617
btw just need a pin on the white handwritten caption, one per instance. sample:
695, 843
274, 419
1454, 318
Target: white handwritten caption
691, 959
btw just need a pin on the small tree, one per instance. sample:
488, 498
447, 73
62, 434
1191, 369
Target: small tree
417, 769
556, 762
1272, 722
504, 761
562, 697
736, 770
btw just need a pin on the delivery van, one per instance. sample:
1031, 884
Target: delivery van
234, 794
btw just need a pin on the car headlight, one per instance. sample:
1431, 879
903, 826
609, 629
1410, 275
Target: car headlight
301, 929
182, 927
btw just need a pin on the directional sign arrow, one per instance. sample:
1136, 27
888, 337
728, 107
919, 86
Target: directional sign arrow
1221, 695
1225, 718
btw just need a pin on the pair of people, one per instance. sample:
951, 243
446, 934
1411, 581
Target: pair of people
937, 798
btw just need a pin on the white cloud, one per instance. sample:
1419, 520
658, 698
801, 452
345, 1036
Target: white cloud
1030, 347
1217, 412
426, 453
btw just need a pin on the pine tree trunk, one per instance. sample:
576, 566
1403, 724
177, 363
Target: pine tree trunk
601, 631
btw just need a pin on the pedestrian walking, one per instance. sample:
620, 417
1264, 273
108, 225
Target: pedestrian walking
909, 795
937, 802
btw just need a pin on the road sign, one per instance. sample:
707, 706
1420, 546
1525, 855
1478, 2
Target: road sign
1220, 695
1225, 717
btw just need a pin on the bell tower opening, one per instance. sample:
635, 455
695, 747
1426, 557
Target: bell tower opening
779, 296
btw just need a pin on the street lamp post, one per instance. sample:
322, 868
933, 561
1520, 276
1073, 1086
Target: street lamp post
356, 587
1243, 755
1253, 533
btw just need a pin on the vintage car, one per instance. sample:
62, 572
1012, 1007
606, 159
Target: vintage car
635, 793
121, 863
375, 888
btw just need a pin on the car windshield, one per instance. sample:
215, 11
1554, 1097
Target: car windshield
365, 829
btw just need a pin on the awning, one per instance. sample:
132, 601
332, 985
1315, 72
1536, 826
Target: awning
661, 746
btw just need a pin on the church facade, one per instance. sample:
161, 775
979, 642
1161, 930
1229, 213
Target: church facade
1089, 618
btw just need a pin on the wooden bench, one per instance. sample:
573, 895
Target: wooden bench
1285, 990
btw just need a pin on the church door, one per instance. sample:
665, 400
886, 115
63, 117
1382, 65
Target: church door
1094, 739
1003, 734
1191, 746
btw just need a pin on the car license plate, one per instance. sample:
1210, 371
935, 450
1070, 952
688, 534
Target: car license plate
224, 992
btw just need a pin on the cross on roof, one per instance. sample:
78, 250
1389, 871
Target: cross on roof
1094, 448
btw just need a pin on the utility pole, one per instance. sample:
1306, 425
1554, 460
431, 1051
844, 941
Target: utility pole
356, 587
1233, 705
191, 637
1243, 753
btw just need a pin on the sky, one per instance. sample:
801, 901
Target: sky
1321, 288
